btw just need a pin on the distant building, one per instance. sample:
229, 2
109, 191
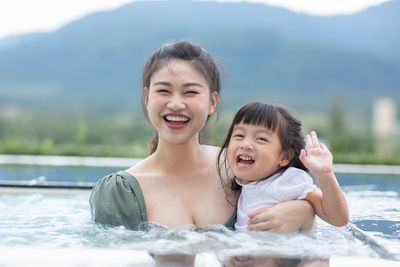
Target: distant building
384, 120
10, 111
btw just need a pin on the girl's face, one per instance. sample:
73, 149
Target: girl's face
254, 152
178, 101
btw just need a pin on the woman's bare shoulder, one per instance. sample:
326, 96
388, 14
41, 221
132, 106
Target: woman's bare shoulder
142, 169
214, 150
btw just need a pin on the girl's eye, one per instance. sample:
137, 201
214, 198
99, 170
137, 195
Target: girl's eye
238, 136
262, 139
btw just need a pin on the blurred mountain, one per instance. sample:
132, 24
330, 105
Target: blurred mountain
267, 52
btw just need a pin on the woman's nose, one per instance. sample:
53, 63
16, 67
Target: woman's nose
176, 103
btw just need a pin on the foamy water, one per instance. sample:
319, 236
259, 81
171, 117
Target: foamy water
51, 221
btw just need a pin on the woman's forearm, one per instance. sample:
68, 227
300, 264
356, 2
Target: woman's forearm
285, 217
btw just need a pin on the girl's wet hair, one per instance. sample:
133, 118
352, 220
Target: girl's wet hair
277, 119
200, 59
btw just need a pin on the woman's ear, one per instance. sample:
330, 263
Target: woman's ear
145, 95
213, 100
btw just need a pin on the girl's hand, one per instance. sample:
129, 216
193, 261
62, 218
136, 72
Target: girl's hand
318, 159
286, 217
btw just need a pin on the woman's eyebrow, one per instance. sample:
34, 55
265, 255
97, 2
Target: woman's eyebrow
162, 83
170, 85
192, 84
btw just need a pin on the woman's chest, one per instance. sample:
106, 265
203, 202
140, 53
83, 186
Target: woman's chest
179, 202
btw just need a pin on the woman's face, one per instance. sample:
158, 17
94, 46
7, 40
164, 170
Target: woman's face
178, 101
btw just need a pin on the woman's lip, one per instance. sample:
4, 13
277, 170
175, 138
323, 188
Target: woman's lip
175, 126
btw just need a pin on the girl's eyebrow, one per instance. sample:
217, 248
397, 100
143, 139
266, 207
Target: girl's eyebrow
260, 130
239, 128
264, 130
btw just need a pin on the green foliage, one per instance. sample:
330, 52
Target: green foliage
128, 135
81, 135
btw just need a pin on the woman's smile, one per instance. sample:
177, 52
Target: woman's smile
176, 121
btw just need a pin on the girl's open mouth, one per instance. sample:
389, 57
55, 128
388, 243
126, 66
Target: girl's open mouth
244, 161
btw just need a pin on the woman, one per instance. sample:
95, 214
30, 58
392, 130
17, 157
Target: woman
178, 183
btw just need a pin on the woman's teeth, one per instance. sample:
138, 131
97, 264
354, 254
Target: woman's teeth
176, 119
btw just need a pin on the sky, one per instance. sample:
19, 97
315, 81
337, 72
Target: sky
24, 16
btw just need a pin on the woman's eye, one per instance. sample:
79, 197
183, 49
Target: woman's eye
162, 91
192, 92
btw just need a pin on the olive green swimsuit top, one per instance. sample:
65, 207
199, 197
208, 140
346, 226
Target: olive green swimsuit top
117, 199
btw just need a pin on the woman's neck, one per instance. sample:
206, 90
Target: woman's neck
179, 157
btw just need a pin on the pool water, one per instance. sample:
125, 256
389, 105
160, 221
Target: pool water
55, 220
63, 221
52, 221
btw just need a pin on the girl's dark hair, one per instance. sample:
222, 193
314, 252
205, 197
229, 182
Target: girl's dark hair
197, 56
277, 119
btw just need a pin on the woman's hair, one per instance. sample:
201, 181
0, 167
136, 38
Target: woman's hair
277, 119
200, 59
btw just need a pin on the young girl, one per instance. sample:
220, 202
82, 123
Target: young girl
264, 149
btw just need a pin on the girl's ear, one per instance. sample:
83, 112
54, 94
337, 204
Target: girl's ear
214, 101
286, 157
145, 95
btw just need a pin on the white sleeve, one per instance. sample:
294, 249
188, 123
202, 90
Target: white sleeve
293, 184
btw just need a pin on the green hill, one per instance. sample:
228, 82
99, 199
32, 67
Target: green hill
267, 52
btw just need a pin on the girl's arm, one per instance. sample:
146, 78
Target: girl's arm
330, 205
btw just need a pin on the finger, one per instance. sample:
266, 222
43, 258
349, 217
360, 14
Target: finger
314, 139
261, 217
323, 146
257, 212
303, 155
262, 226
308, 142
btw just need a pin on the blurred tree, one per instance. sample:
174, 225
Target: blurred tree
81, 134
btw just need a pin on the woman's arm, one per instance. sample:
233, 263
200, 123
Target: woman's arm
330, 205
285, 217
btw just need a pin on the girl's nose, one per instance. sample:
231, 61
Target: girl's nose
245, 144
176, 103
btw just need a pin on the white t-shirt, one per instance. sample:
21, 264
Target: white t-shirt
292, 184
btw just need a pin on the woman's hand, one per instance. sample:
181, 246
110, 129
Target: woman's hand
285, 217
318, 159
